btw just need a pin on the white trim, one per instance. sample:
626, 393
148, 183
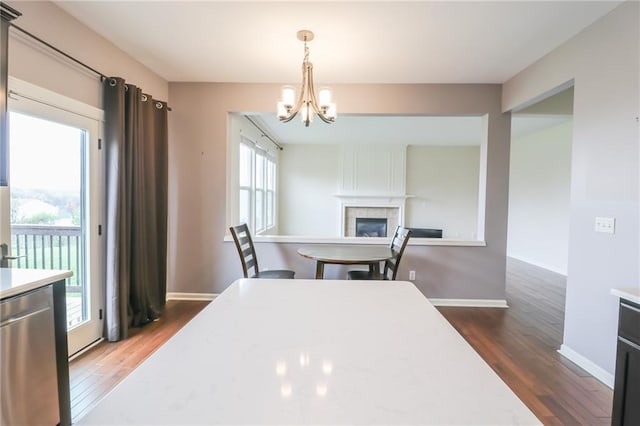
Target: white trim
191, 296
538, 264
21, 88
44, 104
589, 366
86, 349
471, 303
359, 240
376, 197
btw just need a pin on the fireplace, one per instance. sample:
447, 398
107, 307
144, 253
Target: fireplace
389, 214
371, 227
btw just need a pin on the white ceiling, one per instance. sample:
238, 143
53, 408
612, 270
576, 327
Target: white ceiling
356, 42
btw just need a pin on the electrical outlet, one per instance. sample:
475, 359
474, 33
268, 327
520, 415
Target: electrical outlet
606, 225
412, 275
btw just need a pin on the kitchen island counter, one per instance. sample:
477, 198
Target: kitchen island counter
14, 282
630, 294
314, 352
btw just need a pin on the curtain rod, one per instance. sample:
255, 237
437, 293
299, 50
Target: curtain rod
263, 133
66, 55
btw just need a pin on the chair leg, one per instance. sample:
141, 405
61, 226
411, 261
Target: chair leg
374, 267
319, 270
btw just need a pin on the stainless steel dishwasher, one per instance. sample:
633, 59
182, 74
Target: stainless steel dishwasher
29, 386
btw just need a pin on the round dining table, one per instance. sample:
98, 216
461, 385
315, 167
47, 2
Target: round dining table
343, 254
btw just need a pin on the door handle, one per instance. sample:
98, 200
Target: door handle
4, 256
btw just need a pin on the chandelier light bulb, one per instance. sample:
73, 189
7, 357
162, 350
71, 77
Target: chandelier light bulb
332, 111
282, 110
306, 115
288, 96
324, 97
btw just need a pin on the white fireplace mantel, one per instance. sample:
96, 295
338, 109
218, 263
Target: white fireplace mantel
369, 197
373, 185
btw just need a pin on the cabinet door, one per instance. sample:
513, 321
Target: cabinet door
626, 400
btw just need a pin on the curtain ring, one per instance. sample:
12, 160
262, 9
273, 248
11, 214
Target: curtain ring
112, 82
144, 98
159, 105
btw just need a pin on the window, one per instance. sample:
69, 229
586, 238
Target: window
257, 186
246, 183
271, 193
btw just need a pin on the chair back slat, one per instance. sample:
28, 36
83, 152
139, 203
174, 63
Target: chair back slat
246, 250
397, 245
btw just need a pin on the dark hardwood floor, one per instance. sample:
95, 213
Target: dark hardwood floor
521, 343
93, 374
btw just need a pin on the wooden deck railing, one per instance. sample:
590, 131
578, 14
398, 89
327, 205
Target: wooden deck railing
50, 247
54, 247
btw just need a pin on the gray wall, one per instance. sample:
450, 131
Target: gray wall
199, 259
539, 197
30, 61
605, 64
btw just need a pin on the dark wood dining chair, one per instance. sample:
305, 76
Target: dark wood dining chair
246, 250
391, 265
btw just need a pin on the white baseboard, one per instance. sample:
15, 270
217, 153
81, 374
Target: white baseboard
471, 303
561, 271
191, 296
587, 365
86, 349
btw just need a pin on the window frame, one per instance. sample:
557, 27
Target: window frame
258, 185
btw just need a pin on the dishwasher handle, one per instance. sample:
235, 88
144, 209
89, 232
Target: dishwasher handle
21, 316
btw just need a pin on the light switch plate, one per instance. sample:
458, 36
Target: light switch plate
606, 225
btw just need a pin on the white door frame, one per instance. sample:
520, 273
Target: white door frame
32, 100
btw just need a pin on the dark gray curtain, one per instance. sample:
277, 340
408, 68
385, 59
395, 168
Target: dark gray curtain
136, 223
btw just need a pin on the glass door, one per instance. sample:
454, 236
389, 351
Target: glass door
54, 205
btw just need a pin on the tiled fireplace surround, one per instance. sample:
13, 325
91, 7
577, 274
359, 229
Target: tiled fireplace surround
392, 214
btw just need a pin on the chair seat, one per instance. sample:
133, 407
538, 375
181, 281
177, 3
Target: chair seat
246, 250
275, 273
397, 246
365, 275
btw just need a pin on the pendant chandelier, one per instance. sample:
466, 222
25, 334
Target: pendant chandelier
307, 101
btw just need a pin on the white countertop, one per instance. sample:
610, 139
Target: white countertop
16, 281
314, 352
630, 294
